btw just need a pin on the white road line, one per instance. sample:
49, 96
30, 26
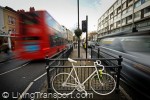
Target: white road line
25, 91
40, 77
14, 69
124, 92
29, 86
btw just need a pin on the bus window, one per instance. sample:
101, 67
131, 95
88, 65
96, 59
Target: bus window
31, 38
30, 19
137, 44
112, 43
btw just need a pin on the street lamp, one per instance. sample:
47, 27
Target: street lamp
78, 31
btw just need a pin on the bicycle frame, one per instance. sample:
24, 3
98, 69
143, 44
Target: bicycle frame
77, 78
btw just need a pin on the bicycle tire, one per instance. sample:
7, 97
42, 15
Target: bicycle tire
109, 84
57, 82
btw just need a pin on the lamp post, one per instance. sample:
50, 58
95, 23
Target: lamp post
9, 40
78, 29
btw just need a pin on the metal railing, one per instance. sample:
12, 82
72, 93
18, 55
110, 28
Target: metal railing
55, 66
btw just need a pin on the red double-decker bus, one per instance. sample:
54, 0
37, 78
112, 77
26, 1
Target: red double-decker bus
40, 35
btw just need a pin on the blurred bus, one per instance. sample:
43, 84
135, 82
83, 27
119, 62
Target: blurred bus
135, 50
40, 35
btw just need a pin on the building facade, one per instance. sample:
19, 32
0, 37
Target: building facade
9, 27
1, 19
11, 20
125, 15
69, 36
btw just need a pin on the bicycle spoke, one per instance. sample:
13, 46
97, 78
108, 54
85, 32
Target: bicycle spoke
104, 86
59, 86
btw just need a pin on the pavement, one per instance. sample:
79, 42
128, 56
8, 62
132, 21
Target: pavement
113, 96
5, 57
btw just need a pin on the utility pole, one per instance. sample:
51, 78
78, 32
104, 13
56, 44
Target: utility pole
85, 29
78, 28
86, 35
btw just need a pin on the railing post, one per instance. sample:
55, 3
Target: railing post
91, 52
118, 73
63, 56
48, 75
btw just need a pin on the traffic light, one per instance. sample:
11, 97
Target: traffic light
84, 26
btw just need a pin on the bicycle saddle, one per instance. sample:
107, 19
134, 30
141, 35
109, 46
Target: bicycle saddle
71, 60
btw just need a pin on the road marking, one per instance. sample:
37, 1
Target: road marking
25, 91
29, 86
14, 69
40, 77
125, 93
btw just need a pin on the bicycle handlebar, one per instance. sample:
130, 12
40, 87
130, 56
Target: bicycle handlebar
98, 62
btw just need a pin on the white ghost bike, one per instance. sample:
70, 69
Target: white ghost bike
101, 83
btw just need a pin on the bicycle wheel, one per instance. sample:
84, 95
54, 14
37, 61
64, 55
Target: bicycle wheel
104, 86
58, 84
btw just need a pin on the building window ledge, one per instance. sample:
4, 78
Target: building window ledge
147, 14
138, 18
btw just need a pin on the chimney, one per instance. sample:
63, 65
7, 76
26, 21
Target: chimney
32, 9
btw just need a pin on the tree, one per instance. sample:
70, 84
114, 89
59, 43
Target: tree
78, 32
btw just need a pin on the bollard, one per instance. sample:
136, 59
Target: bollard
48, 75
118, 73
98, 53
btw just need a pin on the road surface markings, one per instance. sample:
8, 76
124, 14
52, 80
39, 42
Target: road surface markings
25, 91
40, 77
125, 93
29, 86
14, 69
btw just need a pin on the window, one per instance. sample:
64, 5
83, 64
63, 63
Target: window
118, 23
143, 1
136, 44
115, 12
111, 15
111, 43
130, 9
115, 17
124, 12
119, 9
119, 15
124, 5
11, 20
147, 10
129, 17
30, 18
137, 4
124, 21
13, 30
137, 14
52, 23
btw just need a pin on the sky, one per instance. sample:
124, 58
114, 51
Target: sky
65, 11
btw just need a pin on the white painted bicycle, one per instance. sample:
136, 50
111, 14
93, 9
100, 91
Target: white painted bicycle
101, 83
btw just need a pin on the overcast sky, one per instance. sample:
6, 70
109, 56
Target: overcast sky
65, 11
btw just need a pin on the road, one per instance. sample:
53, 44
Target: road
18, 76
